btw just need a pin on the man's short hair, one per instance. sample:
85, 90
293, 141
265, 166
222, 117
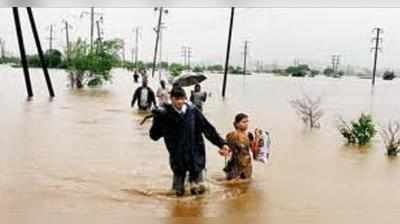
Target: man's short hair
178, 92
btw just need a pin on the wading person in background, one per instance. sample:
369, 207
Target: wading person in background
136, 77
182, 126
239, 165
144, 96
143, 73
162, 94
198, 97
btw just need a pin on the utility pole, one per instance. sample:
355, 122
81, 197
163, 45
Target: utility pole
92, 14
22, 52
137, 33
2, 48
99, 38
67, 26
296, 62
91, 28
335, 62
161, 11
245, 52
123, 50
51, 37
40, 51
228, 49
187, 54
377, 40
160, 55
184, 55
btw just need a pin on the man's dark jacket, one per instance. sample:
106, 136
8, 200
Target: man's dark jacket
151, 99
183, 137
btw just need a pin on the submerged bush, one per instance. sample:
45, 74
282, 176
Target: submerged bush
360, 131
391, 138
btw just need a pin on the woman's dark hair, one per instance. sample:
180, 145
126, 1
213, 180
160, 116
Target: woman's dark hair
178, 92
238, 118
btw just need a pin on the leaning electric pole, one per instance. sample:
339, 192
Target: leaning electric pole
228, 51
160, 51
161, 11
376, 48
245, 53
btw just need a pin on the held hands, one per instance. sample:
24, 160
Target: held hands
224, 151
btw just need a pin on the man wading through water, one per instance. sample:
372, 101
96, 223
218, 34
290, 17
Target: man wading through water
182, 126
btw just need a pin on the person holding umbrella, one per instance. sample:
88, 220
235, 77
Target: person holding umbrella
182, 126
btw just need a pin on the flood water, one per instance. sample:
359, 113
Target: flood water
83, 157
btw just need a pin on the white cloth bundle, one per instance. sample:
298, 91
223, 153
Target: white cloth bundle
264, 151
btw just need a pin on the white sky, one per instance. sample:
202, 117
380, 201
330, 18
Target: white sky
276, 35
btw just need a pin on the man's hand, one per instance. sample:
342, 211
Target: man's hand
224, 151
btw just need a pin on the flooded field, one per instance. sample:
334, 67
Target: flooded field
83, 157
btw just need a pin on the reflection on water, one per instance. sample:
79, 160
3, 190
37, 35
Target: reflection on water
86, 153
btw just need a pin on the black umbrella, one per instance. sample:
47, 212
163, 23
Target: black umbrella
189, 79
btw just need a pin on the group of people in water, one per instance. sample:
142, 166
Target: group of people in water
145, 97
182, 125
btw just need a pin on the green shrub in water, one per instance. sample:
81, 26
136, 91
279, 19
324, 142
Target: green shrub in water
360, 131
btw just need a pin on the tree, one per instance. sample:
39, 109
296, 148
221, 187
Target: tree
92, 67
298, 71
132, 66
388, 75
53, 58
235, 70
217, 68
314, 72
309, 110
164, 65
176, 69
391, 138
198, 69
328, 71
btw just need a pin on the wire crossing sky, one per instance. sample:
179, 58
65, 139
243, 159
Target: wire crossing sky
275, 35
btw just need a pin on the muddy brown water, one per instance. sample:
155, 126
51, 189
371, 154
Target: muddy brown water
83, 157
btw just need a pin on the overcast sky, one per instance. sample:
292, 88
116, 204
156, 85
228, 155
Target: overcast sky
276, 35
